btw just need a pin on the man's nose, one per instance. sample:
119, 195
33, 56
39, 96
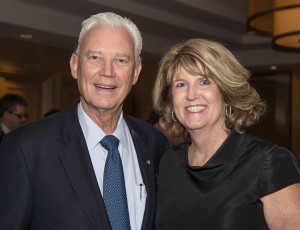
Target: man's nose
108, 68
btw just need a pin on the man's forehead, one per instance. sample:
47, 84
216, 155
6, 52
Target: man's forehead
100, 53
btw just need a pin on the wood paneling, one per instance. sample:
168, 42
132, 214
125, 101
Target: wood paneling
295, 116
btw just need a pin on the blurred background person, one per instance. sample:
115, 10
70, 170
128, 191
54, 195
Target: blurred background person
153, 119
223, 177
13, 112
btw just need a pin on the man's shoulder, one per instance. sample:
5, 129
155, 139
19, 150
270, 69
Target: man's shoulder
141, 126
146, 132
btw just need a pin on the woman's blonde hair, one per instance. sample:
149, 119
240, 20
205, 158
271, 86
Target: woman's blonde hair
218, 64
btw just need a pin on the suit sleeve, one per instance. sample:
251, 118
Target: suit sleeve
16, 201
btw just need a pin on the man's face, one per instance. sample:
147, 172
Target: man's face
105, 68
13, 119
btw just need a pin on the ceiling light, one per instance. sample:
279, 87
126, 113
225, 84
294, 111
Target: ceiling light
26, 36
277, 18
273, 67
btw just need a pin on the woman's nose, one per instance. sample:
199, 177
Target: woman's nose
192, 93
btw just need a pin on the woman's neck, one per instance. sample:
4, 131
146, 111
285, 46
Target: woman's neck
205, 145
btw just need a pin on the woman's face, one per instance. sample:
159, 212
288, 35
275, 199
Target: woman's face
197, 101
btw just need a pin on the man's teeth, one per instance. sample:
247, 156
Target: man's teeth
195, 108
105, 87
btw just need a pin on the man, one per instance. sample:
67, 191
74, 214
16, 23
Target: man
13, 113
53, 171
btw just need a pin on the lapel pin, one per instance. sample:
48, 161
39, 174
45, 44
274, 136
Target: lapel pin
148, 162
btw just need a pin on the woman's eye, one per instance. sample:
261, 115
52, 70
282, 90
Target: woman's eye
180, 84
204, 82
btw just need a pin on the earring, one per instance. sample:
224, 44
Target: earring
174, 116
228, 110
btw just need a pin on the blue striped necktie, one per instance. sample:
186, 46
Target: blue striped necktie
114, 191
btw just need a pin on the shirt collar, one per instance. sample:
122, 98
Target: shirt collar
4, 129
94, 134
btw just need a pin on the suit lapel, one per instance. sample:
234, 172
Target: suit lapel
76, 161
146, 167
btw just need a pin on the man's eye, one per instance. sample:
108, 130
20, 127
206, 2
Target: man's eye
93, 57
122, 60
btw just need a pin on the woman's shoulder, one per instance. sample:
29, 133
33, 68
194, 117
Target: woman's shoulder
279, 167
258, 144
262, 151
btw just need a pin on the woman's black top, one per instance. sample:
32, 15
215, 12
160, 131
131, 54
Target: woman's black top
225, 193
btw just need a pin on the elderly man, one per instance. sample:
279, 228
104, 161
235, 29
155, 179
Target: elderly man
91, 166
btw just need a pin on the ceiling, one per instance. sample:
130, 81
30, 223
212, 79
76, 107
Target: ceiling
56, 23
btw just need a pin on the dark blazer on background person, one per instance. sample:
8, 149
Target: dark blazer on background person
53, 175
1, 134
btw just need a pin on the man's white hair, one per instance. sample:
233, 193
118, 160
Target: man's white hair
112, 19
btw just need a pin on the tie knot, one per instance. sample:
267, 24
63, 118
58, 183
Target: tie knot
110, 142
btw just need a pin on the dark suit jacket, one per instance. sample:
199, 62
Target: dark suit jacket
47, 179
1, 134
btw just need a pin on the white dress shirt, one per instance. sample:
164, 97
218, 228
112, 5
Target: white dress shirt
4, 129
135, 189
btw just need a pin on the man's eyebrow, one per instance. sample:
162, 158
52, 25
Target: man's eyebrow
122, 54
118, 55
93, 52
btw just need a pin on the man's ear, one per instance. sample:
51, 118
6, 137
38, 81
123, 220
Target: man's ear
74, 65
137, 71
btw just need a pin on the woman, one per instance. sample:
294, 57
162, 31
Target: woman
223, 177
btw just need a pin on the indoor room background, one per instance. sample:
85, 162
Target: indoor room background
37, 38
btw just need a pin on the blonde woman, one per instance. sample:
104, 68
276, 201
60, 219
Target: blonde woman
223, 177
